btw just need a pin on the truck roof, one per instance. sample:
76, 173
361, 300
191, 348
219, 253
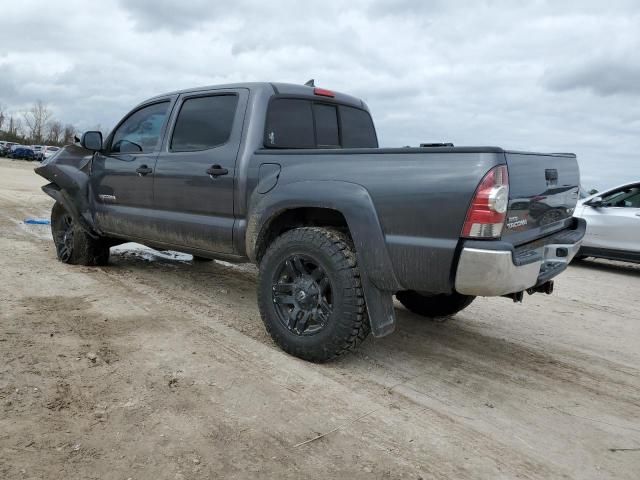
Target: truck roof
271, 88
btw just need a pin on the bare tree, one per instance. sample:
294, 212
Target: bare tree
36, 119
56, 132
2, 116
13, 133
68, 134
15, 126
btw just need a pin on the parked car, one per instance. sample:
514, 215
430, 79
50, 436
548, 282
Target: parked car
613, 223
23, 153
4, 145
49, 151
291, 177
5, 148
38, 151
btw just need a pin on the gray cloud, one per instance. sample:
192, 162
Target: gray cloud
543, 75
151, 15
601, 76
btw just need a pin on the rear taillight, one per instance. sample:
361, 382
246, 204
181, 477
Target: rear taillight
488, 208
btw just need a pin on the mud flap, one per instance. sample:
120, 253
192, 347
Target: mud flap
382, 315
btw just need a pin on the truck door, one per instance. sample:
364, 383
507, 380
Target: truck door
122, 174
195, 171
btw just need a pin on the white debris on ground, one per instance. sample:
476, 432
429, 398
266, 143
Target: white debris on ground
131, 249
149, 254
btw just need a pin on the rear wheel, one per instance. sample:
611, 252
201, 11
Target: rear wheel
310, 294
73, 244
438, 307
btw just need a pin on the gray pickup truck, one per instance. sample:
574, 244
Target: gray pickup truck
291, 177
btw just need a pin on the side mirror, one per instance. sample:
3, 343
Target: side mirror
92, 141
595, 202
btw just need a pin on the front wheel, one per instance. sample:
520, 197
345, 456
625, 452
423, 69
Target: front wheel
310, 294
73, 244
438, 307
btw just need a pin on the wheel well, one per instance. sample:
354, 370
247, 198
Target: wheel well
295, 218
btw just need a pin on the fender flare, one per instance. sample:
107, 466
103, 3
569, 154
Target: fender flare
355, 204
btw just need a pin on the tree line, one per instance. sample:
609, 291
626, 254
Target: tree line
35, 126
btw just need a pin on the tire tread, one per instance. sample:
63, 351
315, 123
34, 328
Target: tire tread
340, 249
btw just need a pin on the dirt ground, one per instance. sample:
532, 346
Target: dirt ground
156, 367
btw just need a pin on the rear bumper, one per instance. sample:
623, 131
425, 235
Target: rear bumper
502, 269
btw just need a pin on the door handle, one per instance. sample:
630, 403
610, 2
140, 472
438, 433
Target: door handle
143, 170
216, 171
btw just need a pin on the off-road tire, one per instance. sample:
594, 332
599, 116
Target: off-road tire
347, 325
73, 244
438, 307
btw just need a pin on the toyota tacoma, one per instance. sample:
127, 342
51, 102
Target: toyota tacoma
291, 177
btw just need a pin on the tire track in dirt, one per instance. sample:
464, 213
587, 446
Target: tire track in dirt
466, 351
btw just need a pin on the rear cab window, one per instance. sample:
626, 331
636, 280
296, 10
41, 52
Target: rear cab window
326, 123
357, 128
308, 123
290, 124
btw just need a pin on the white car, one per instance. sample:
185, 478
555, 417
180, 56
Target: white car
613, 224
50, 150
38, 151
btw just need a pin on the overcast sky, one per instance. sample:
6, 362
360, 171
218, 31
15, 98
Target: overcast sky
530, 75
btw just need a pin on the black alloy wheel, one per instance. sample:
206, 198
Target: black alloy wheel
302, 295
73, 244
310, 294
64, 242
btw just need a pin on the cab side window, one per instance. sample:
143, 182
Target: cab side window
140, 132
203, 123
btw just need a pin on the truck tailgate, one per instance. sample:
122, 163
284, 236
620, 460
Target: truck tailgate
543, 191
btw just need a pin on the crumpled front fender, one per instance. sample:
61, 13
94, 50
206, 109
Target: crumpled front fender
69, 173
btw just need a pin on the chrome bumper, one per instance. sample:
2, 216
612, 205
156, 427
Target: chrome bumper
492, 273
